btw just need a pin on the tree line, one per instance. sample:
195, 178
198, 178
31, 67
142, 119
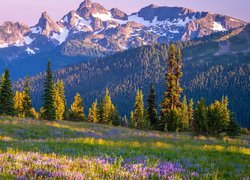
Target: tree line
176, 113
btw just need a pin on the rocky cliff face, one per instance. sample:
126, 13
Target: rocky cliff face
113, 30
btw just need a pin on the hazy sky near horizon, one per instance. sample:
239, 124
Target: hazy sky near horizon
29, 11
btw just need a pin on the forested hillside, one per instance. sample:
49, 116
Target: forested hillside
212, 68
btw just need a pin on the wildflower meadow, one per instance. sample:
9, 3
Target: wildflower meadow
35, 149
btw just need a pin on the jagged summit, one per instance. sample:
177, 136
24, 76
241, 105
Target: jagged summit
86, 3
94, 26
87, 8
45, 25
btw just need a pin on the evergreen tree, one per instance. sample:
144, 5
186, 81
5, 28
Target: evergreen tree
131, 120
233, 128
27, 102
170, 106
93, 113
218, 117
60, 101
184, 119
76, 112
6, 96
49, 110
190, 113
170, 94
200, 122
138, 115
107, 108
178, 76
152, 109
107, 111
171, 121
115, 117
18, 103
100, 111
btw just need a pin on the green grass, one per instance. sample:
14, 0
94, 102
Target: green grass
210, 157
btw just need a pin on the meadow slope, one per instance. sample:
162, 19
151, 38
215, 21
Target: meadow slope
62, 150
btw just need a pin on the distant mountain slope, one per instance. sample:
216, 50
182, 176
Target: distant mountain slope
94, 31
214, 67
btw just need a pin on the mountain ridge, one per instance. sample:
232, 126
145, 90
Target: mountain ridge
212, 67
112, 30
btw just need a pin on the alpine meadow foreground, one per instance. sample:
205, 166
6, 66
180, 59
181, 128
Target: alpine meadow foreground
78, 150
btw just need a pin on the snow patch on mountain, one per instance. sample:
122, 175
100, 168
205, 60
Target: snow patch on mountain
4, 45
28, 40
155, 22
217, 26
108, 17
65, 19
139, 20
62, 36
18, 44
83, 24
30, 51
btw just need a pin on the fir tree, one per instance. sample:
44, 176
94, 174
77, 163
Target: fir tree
93, 113
138, 115
76, 112
131, 120
100, 111
178, 76
49, 110
200, 122
18, 103
190, 113
60, 101
115, 117
184, 115
170, 94
27, 102
6, 96
218, 117
107, 108
171, 105
172, 121
107, 111
152, 109
233, 128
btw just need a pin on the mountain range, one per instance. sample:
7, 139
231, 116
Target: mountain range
94, 31
212, 67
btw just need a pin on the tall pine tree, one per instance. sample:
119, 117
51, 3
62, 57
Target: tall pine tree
170, 106
107, 108
190, 113
18, 104
184, 116
200, 122
168, 102
60, 100
138, 115
48, 109
27, 102
6, 96
93, 113
152, 108
178, 76
76, 112
107, 111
